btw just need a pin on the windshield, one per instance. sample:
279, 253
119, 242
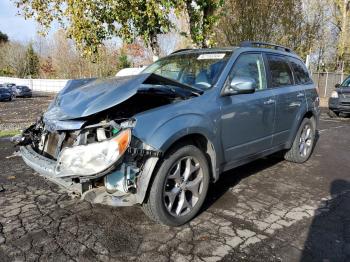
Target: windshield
346, 83
200, 70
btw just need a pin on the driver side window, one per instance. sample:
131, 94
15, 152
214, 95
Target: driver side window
252, 66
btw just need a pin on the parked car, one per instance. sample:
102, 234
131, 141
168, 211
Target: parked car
160, 138
23, 91
339, 102
12, 88
129, 71
5, 94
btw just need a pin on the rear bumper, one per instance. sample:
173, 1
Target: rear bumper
27, 94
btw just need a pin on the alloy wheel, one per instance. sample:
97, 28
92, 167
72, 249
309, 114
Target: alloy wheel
305, 141
183, 186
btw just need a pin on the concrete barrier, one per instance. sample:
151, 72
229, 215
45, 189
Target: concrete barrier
38, 85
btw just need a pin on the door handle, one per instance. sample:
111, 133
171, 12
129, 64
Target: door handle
300, 95
269, 102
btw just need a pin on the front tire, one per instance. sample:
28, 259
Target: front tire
303, 143
179, 188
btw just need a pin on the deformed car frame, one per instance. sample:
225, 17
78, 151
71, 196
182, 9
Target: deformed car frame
159, 138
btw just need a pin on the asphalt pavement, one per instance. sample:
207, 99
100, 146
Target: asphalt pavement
268, 210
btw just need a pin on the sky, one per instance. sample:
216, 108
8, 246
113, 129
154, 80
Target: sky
15, 26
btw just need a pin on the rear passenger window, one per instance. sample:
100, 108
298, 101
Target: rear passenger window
301, 75
281, 75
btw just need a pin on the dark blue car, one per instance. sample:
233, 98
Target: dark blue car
161, 138
5, 94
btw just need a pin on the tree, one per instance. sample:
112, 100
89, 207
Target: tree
91, 22
280, 21
32, 61
202, 16
342, 20
13, 59
3, 38
123, 61
46, 67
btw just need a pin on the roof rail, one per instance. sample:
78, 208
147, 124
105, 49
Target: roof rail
259, 44
180, 50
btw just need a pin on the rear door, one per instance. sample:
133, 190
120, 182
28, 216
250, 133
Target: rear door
289, 97
247, 119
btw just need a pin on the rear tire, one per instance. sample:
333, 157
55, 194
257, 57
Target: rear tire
179, 187
303, 143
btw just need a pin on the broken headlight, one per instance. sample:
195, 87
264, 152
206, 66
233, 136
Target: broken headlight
91, 159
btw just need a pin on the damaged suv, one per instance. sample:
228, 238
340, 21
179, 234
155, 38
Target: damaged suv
160, 138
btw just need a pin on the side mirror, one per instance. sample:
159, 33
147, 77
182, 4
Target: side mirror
240, 85
337, 85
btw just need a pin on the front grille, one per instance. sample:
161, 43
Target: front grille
55, 142
51, 144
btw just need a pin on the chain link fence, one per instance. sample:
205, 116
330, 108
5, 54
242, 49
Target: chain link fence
326, 81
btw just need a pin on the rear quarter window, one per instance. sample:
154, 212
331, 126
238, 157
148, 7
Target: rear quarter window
281, 74
301, 74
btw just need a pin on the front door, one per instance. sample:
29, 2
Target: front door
248, 119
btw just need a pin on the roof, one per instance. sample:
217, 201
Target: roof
247, 45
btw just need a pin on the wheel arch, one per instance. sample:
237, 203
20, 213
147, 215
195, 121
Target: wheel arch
197, 139
308, 114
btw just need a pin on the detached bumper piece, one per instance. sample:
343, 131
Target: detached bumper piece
101, 196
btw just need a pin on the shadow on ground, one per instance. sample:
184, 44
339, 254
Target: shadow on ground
329, 233
231, 178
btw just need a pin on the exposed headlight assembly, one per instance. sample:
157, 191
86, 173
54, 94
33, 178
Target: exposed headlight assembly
91, 159
334, 94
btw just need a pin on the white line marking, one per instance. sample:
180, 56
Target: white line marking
327, 129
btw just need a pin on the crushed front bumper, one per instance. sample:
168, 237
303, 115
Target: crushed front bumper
46, 168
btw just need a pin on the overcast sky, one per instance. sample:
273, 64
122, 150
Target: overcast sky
16, 27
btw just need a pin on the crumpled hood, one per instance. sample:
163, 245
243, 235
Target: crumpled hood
85, 97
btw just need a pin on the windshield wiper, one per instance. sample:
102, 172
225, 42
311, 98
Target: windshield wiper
158, 79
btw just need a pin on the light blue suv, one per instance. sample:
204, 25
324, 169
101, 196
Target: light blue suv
160, 138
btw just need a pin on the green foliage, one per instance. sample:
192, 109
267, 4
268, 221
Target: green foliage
203, 16
123, 61
9, 133
90, 22
32, 62
3, 38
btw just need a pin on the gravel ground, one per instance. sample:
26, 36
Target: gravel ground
21, 112
268, 210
